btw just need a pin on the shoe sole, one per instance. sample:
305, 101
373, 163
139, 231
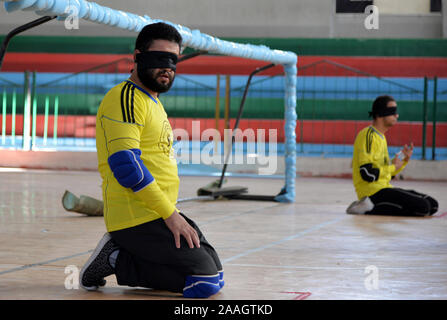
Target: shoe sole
106, 238
348, 210
365, 201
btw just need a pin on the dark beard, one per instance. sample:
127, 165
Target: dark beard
149, 79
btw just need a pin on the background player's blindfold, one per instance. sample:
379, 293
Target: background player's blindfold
156, 60
388, 111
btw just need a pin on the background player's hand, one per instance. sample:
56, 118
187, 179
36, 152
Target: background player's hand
398, 163
179, 227
408, 151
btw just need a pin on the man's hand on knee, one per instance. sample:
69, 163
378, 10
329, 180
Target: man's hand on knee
179, 227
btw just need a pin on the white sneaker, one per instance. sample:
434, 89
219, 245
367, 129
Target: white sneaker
361, 206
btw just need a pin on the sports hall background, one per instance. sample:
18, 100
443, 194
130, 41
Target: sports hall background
310, 249
342, 66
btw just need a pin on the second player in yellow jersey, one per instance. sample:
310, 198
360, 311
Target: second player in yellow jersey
372, 169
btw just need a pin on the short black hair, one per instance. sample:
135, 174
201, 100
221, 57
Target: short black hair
380, 103
156, 31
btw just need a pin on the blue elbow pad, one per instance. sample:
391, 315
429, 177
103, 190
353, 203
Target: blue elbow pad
129, 169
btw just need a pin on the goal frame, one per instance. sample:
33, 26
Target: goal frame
194, 39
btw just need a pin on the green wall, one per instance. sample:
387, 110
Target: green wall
301, 46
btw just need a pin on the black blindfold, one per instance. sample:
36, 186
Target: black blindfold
388, 111
156, 60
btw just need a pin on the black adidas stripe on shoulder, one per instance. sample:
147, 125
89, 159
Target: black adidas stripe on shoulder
124, 102
132, 113
127, 102
369, 139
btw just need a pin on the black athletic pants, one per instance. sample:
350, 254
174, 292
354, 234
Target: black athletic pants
401, 202
148, 257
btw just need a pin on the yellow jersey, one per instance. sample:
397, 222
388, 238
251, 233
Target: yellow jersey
372, 169
129, 117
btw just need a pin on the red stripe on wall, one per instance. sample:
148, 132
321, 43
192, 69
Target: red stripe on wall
309, 131
49, 62
379, 66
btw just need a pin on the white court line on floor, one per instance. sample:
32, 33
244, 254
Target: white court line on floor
297, 235
235, 215
327, 268
27, 266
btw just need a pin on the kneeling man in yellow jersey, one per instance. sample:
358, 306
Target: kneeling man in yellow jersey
372, 169
148, 243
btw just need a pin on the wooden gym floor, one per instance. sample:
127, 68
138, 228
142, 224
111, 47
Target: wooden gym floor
310, 249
